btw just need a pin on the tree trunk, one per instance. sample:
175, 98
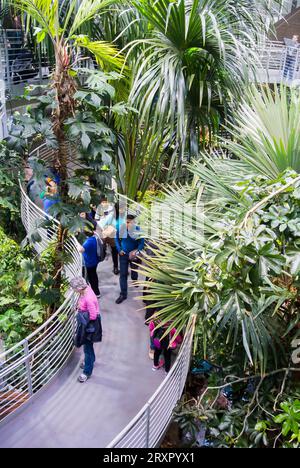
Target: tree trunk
65, 88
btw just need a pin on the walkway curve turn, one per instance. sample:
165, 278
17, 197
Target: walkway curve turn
38, 376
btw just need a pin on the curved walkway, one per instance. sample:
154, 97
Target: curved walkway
70, 414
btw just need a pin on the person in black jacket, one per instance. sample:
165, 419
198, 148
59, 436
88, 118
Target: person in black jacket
87, 330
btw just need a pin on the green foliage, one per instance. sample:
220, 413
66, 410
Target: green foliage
26, 290
92, 132
216, 413
241, 276
63, 23
38, 280
290, 421
34, 126
266, 131
10, 171
194, 63
95, 126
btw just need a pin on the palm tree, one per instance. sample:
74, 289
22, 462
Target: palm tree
141, 151
194, 63
59, 23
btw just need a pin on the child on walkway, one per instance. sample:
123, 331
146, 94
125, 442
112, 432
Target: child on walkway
163, 344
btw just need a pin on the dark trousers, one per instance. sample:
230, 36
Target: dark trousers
115, 257
167, 355
93, 279
124, 265
89, 358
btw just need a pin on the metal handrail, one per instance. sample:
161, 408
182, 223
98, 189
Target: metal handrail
29, 365
273, 57
157, 412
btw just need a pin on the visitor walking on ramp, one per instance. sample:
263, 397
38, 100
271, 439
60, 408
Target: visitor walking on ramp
89, 329
93, 252
163, 344
129, 244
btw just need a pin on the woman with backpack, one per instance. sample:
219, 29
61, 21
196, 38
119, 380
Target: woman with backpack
89, 329
163, 344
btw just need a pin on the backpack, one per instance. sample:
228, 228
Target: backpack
101, 248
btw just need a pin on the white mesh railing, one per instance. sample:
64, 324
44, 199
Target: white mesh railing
22, 64
275, 63
148, 427
28, 366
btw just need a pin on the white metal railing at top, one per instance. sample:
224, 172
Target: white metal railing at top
148, 427
275, 62
29, 365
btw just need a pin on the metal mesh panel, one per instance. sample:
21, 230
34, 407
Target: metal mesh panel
22, 64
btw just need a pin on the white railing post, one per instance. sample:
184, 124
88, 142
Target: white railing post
148, 415
27, 217
28, 370
297, 65
8, 77
180, 378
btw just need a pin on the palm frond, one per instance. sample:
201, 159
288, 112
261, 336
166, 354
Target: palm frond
266, 136
86, 11
193, 63
107, 56
44, 12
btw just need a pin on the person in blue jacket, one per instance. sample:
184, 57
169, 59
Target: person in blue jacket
129, 244
90, 259
50, 197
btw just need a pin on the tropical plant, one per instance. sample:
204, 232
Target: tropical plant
121, 25
194, 63
141, 153
265, 136
60, 22
231, 215
290, 421
209, 420
25, 298
240, 274
10, 172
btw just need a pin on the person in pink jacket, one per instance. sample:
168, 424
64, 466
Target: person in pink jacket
163, 344
87, 302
